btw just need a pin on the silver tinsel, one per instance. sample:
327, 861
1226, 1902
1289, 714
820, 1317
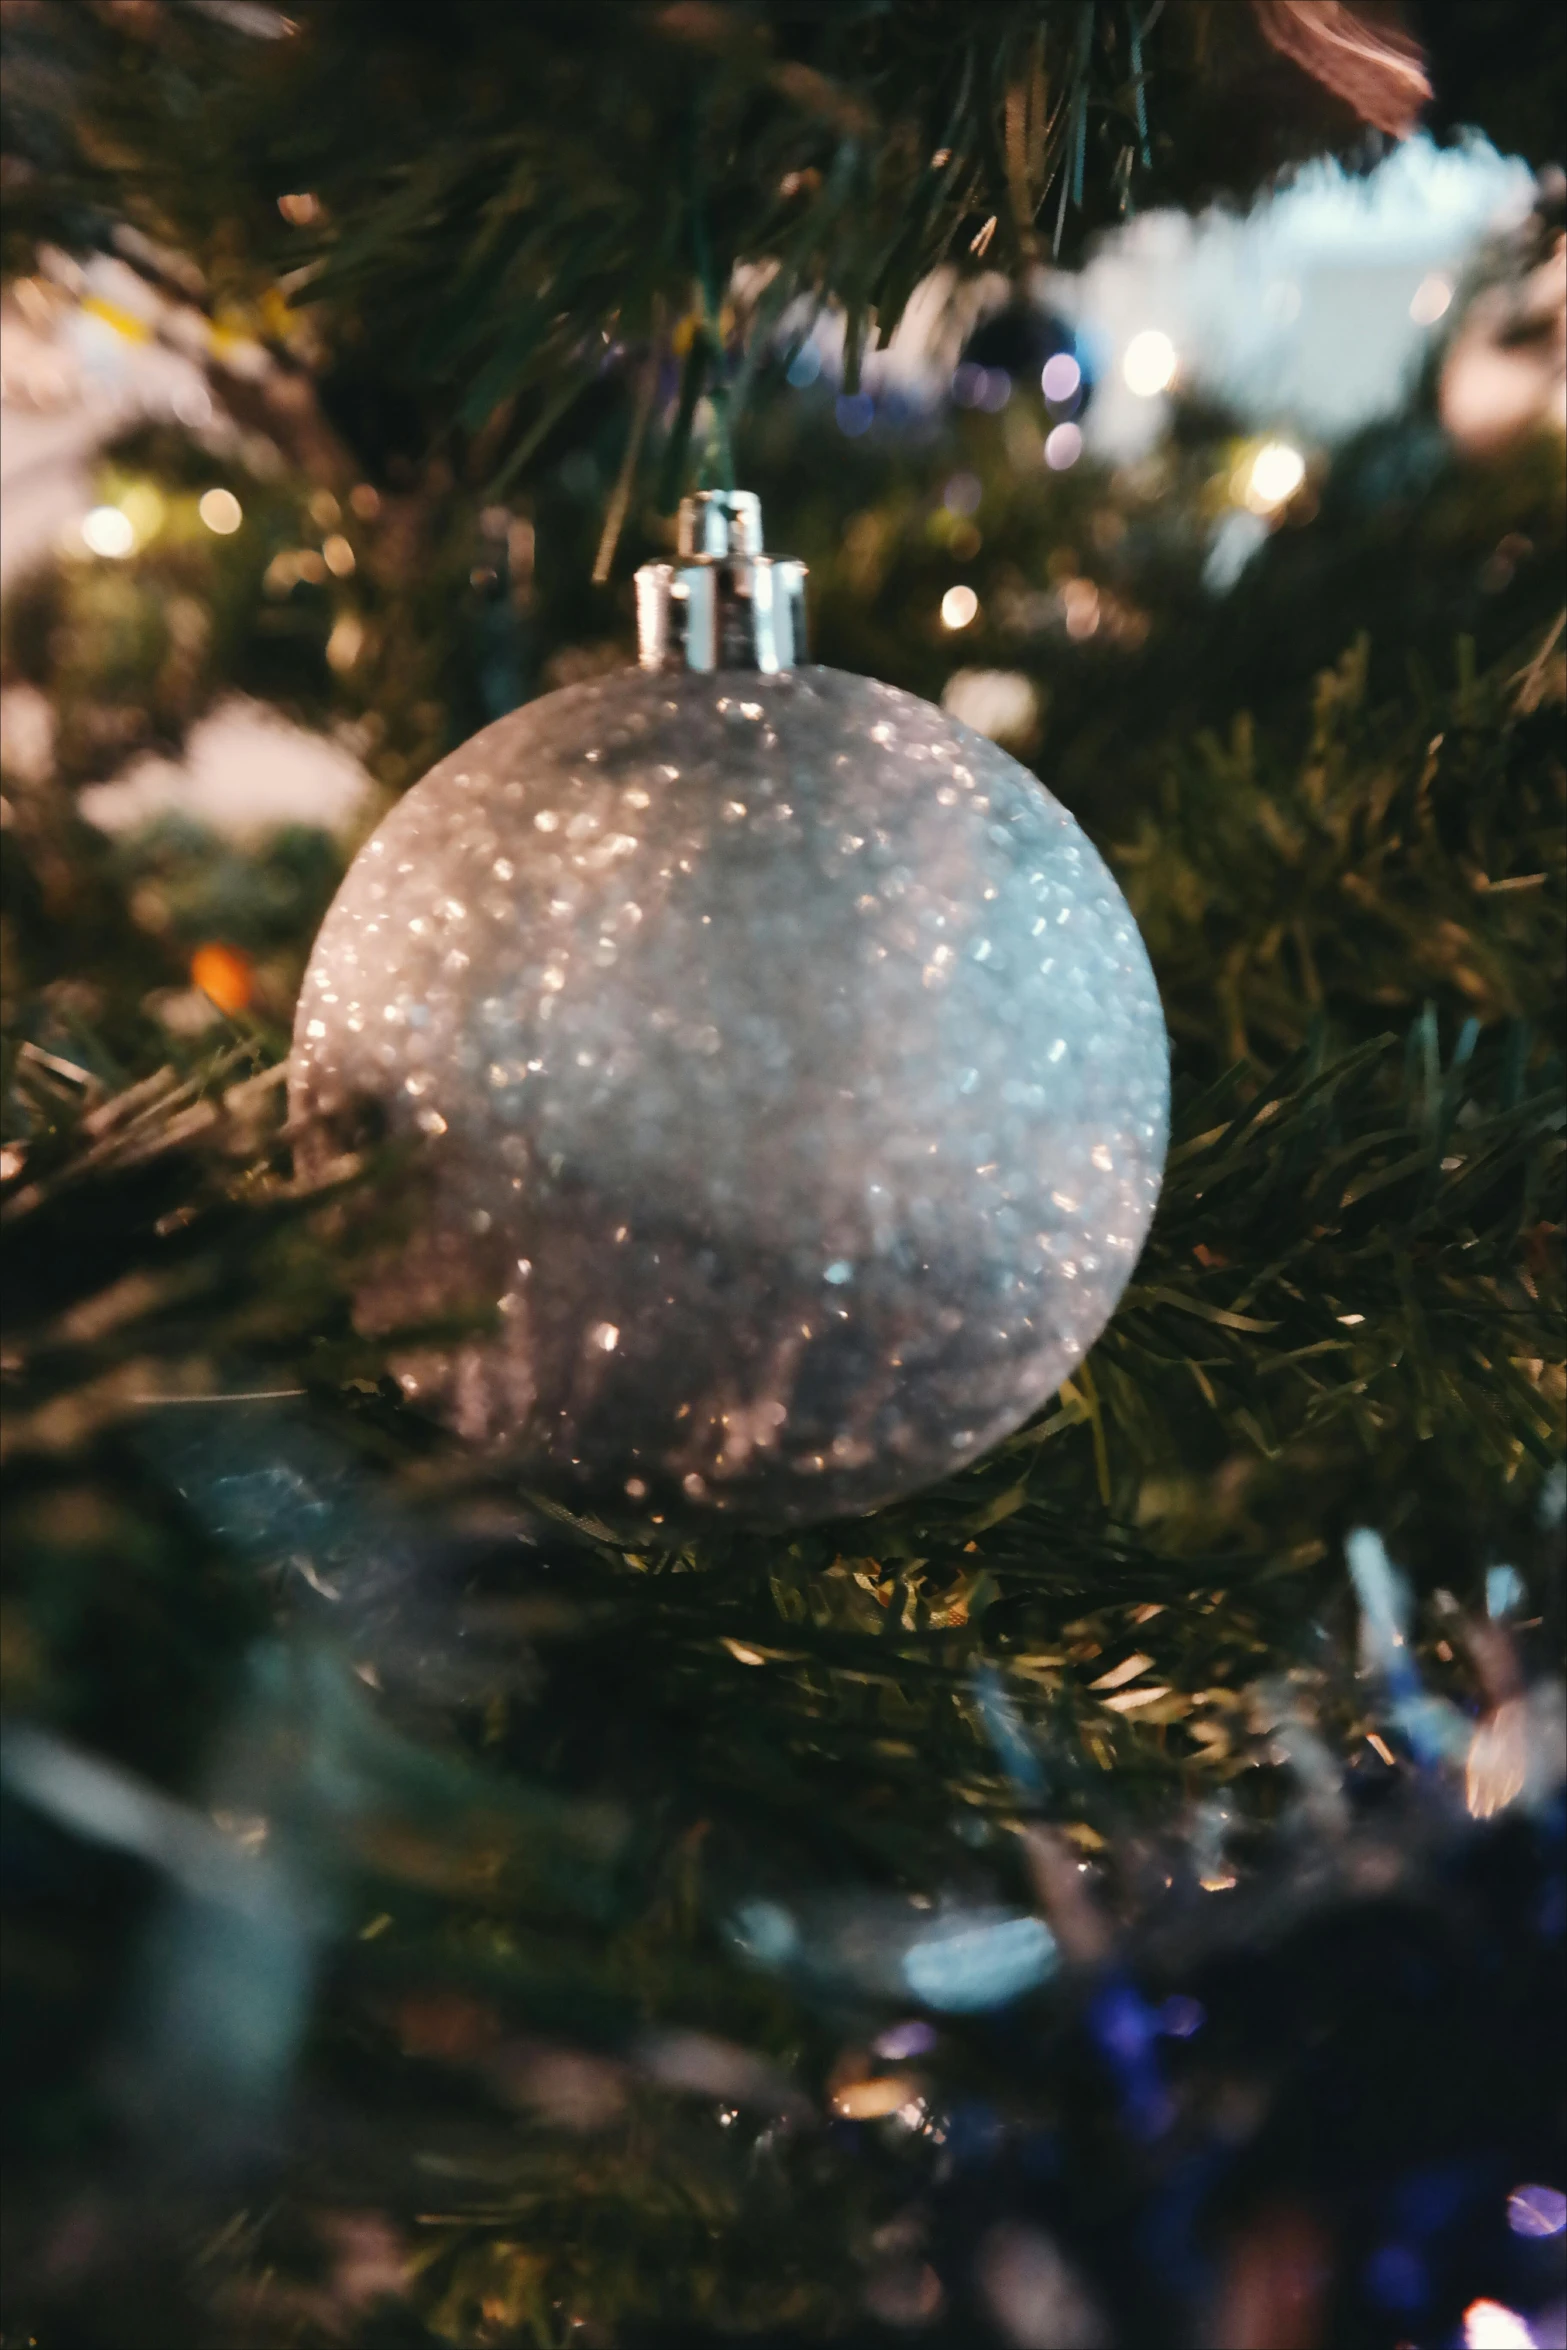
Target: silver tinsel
787, 1079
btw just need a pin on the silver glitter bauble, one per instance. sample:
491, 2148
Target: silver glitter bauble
788, 1082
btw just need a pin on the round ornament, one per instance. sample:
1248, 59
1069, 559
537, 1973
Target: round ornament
784, 1076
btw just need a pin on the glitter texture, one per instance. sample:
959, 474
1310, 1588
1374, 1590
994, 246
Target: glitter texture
787, 1078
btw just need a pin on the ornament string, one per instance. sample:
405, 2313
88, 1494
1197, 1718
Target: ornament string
718, 456
620, 497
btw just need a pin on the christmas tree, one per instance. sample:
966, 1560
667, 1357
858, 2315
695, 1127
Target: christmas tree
1113, 1894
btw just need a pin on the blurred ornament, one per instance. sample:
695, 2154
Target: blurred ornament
1505, 374
1020, 339
785, 1075
1024, 343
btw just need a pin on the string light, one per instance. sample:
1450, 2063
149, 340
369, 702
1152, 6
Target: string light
221, 511
1274, 475
1062, 377
1080, 607
1491, 2325
959, 606
1063, 447
1148, 363
1430, 300
108, 531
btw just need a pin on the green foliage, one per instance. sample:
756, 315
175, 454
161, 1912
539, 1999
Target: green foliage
1350, 1306
1397, 860
503, 201
510, 1780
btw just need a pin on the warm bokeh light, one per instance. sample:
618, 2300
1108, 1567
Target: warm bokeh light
1491, 2325
224, 974
863, 2101
1062, 377
1148, 363
108, 531
1063, 447
1080, 607
1430, 300
346, 642
221, 511
1273, 476
143, 509
1002, 703
959, 606
337, 555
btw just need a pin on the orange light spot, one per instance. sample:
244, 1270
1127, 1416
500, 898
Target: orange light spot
224, 974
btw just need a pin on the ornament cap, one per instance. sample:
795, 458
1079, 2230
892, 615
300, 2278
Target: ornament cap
723, 604
720, 522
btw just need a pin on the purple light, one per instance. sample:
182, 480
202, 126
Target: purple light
1180, 2016
911, 2039
1063, 447
1062, 377
1537, 2211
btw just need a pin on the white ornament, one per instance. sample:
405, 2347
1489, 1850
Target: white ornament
786, 1078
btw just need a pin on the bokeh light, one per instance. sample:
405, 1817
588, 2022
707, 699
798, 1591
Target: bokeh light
1431, 300
1002, 703
959, 606
143, 509
1537, 2211
1273, 476
1148, 363
1063, 447
221, 511
224, 975
1062, 378
108, 531
1080, 607
1491, 2325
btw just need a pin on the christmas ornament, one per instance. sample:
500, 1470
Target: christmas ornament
785, 1076
1022, 343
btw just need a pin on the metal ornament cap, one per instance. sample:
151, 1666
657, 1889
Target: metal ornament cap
723, 604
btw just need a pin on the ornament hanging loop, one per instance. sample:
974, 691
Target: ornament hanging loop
722, 604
